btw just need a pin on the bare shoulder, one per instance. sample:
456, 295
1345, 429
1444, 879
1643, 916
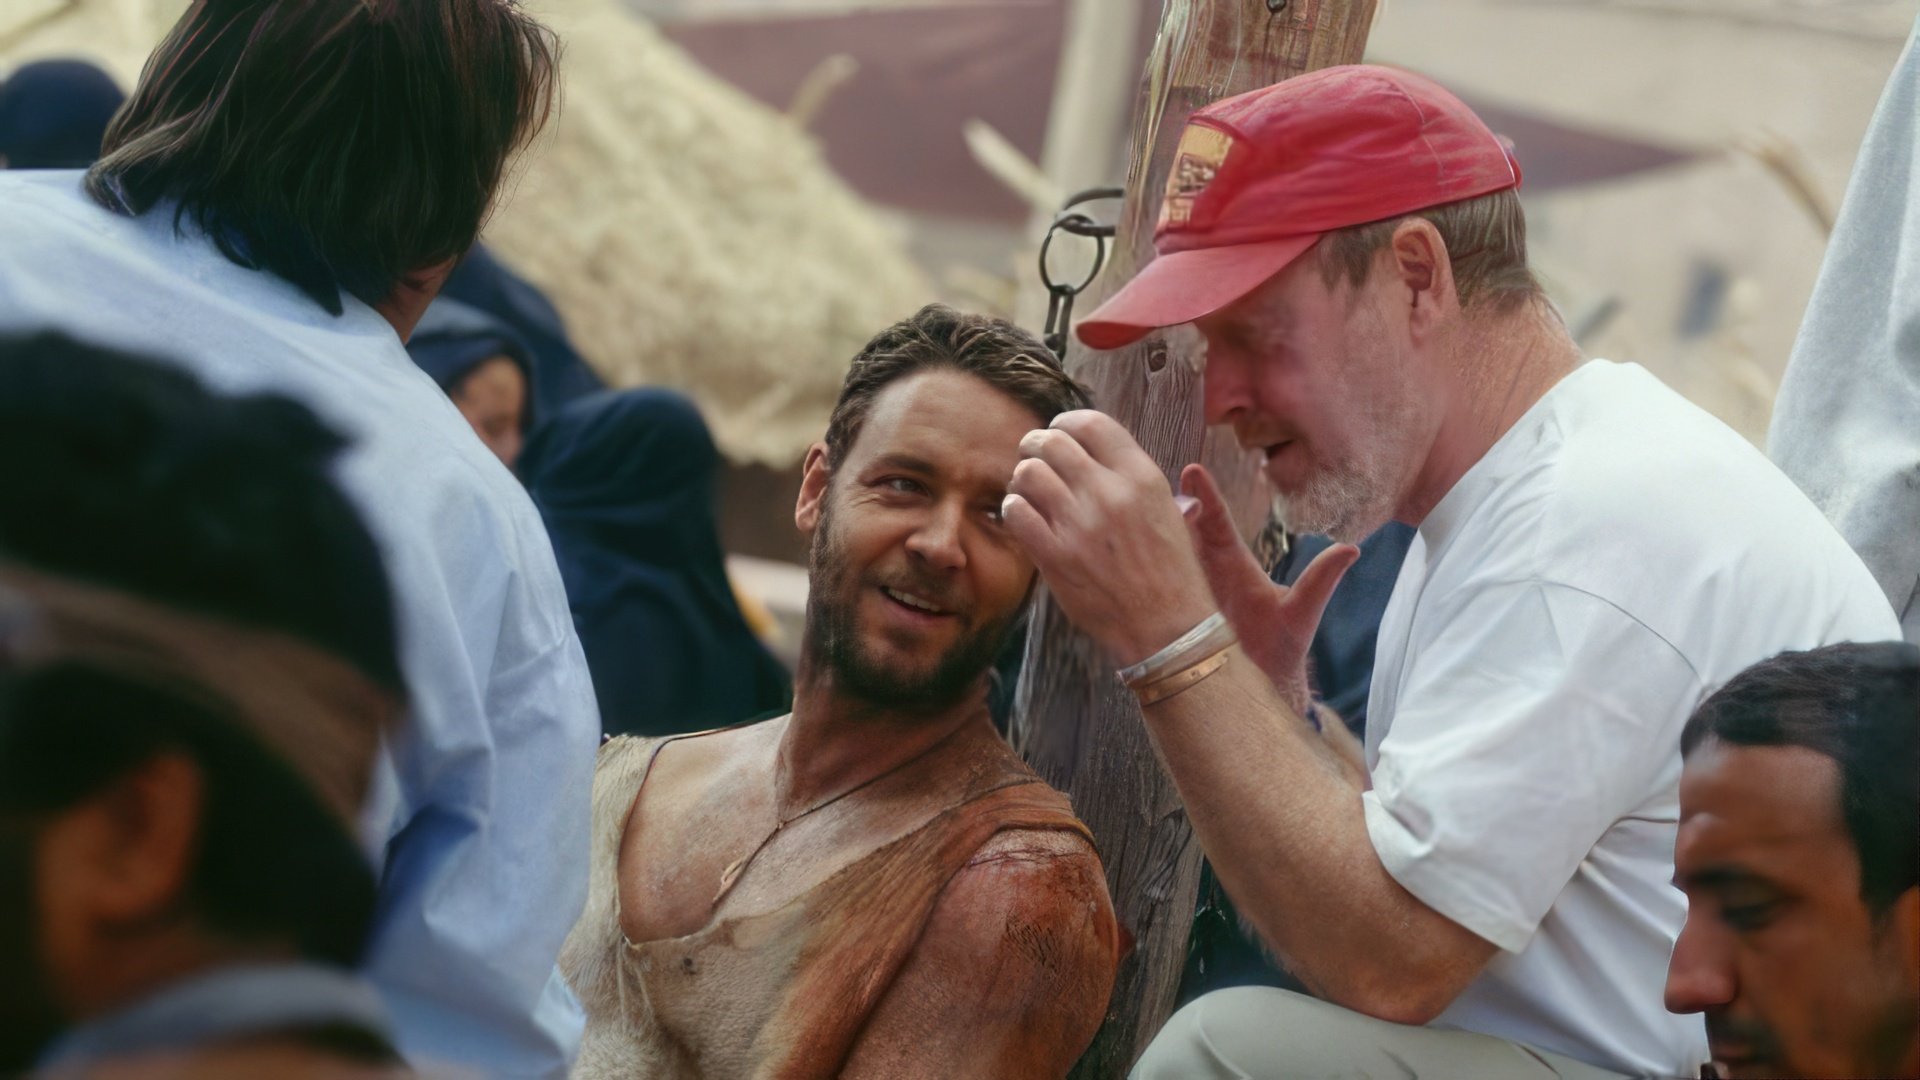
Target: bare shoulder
1011, 977
1041, 892
1039, 846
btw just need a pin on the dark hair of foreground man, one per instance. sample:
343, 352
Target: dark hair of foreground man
130, 477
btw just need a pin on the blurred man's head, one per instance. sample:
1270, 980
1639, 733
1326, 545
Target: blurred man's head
1799, 852
915, 580
345, 145
54, 113
197, 660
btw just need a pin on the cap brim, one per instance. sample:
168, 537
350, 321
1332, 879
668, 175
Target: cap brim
1182, 286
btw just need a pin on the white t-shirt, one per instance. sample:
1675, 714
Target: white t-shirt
478, 819
1612, 560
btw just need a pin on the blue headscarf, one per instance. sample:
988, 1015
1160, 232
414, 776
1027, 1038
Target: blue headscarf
625, 480
54, 113
452, 339
484, 282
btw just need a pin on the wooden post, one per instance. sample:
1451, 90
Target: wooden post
1073, 721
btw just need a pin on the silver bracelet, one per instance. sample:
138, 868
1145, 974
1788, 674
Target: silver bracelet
1210, 636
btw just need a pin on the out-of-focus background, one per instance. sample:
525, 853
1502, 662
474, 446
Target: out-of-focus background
737, 193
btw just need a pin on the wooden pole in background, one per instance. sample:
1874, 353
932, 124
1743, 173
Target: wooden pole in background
1073, 721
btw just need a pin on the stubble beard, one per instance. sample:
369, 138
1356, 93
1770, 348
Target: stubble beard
1349, 500
835, 640
1342, 503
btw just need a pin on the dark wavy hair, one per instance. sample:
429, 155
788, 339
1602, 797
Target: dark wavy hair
341, 144
1858, 704
995, 351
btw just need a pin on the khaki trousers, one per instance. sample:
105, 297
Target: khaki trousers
1260, 1033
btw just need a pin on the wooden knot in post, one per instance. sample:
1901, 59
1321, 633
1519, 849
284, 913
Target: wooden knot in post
1156, 355
1275, 7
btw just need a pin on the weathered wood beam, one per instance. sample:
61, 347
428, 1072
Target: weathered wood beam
1073, 721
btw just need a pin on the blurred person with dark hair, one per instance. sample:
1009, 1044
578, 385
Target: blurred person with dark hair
1799, 852
486, 369
197, 664
275, 206
874, 886
53, 114
625, 481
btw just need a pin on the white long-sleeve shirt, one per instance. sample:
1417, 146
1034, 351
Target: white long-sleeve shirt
478, 823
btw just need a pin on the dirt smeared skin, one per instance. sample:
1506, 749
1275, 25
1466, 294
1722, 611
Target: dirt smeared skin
950, 921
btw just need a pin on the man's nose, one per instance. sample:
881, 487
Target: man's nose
1700, 976
937, 541
1224, 385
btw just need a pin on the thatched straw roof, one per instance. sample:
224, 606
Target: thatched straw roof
694, 237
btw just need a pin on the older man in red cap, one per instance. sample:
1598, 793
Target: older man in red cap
1483, 889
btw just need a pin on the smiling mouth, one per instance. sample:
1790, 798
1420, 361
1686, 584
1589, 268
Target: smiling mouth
915, 603
1271, 452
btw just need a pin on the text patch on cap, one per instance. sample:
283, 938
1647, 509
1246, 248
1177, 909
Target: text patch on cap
1195, 163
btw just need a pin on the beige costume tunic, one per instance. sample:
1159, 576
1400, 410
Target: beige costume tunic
781, 995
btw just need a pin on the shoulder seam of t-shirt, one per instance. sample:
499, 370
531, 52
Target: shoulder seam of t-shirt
1548, 583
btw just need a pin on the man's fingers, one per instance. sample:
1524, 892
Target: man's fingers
1308, 597
1106, 441
1212, 523
1062, 453
1232, 571
1030, 531
1038, 485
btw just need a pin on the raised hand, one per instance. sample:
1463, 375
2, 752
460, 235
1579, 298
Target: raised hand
1097, 517
1275, 623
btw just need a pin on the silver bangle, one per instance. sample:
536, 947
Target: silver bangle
1210, 636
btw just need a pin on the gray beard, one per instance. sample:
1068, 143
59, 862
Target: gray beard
1342, 505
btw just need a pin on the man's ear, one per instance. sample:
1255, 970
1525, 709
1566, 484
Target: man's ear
1419, 260
154, 813
113, 868
122, 858
815, 475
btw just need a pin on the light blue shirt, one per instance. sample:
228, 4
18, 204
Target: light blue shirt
220, 1005
478, 819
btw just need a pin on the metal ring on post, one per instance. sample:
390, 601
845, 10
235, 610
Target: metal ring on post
1060, 296
1074, 223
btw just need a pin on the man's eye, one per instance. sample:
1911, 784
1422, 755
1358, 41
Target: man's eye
1749, 917
902, 485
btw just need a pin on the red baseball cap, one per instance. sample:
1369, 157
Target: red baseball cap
1259, 177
